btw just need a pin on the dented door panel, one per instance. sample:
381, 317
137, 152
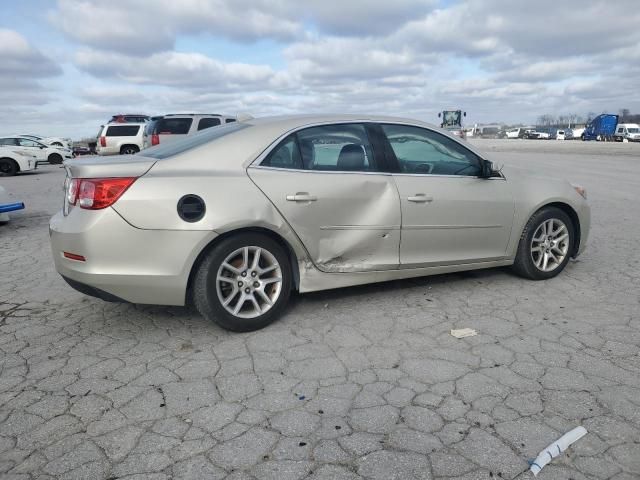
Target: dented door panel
347, 221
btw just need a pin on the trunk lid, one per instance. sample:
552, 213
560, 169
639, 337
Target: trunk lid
112, 167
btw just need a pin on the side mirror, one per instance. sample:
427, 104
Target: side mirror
488, 169
465, 114
439, 114
42, 147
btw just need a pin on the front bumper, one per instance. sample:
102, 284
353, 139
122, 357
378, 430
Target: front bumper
584, 216
124, 263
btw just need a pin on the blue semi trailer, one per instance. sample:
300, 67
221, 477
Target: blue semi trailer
601, 128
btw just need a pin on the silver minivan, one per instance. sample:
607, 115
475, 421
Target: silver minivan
166, 128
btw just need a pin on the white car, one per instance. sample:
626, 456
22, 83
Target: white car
13, 161
120, 138
66, 143
561, 135
43, 153
576, 133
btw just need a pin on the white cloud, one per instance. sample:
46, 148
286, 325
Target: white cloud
497, 59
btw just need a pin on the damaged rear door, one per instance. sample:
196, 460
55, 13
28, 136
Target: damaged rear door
326, 182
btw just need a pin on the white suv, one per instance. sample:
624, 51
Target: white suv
171, 127
120, 138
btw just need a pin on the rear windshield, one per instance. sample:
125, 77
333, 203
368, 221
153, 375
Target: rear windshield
173, 126
166, 150
123, 131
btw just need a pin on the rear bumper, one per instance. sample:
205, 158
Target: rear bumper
124, 263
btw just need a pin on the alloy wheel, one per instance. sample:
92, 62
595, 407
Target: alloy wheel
550, 245
249, 282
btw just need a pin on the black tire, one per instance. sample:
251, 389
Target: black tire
55, 159
524, 264
129, 150
8, 167
204, 292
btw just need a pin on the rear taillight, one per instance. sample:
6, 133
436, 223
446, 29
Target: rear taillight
155, 139
103, 141
97, 193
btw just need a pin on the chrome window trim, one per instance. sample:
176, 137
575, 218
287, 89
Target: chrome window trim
256, 163
333, 172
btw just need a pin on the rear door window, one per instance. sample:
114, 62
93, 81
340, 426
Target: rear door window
123, 130
8, 141
342, 147
208, 123
173, 126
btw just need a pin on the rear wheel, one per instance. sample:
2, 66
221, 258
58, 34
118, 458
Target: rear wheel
129, 150
8, 167
244, 283
55, 159
545, 245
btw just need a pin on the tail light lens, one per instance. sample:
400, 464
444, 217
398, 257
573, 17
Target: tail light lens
97, 193
103, 141
155, 139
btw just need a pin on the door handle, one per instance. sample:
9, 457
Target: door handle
420, 198
301, 197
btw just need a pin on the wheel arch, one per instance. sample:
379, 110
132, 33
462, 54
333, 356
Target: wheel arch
125, 145
293, 260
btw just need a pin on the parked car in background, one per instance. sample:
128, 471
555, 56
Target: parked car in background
129, 118
601, 128
519, 132
120, 139
627, 132
561, 135
79, 151
576, 133
13, 161
488, 131
237, 217
171, 127
53, 141
43, 153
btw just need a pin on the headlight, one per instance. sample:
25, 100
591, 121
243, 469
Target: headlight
581, 190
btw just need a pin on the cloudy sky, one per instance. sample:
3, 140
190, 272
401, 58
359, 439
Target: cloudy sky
66, 66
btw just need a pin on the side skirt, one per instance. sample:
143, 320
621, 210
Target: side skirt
312, 279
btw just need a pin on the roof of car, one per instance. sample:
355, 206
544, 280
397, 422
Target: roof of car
296, 121
128, 124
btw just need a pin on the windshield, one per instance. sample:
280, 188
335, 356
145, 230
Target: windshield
633, 130
451, 118
165, 150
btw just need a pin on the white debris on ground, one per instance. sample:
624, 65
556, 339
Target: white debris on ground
463, 332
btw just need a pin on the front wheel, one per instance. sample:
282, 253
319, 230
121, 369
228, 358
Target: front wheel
244, 283
545, 245
8, 167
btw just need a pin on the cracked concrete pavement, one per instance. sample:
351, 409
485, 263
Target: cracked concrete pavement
362, 382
